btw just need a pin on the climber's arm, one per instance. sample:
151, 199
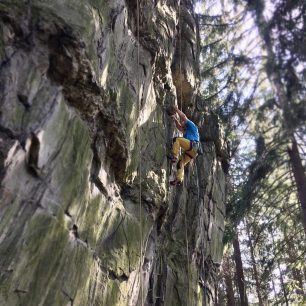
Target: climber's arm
177, 123
183, 117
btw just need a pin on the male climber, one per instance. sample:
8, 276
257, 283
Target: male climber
189, 143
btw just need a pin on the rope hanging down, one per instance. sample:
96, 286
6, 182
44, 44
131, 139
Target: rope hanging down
180, 74
139, 159
139, 150
181, 104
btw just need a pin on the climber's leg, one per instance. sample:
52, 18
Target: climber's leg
185, 158
183, 161
180, 142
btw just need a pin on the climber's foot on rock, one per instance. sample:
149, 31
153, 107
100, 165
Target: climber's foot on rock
172, 158
175, 182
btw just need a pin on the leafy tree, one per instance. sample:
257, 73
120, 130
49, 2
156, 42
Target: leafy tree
253, 69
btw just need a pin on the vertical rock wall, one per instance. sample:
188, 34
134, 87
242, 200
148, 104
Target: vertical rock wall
74, 147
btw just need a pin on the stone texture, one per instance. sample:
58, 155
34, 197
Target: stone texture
77, 154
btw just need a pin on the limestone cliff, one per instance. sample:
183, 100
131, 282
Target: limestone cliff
75, 145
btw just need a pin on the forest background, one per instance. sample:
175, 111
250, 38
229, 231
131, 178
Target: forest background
253, 72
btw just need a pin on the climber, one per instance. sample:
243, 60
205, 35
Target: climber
190, 143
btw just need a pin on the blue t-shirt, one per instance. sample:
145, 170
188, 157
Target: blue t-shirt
191, 131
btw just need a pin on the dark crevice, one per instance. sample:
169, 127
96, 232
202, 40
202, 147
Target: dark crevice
75, 232
192, 49
144, 69
33, 154
71, 300
113, 16
167, 86
121, 278
67, 213
99, 185
150, 296
20, 291
113, 22
95, 168
160, 218
24, 101
116, 146
9, 133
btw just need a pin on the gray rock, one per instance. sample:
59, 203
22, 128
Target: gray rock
87, 214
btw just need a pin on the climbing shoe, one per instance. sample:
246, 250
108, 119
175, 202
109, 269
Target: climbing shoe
172, 158
175, 182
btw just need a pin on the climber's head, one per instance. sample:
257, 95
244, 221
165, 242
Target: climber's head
171, 110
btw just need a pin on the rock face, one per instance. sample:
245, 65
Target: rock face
86, 213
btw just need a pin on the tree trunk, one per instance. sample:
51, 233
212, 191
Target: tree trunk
293, 254
273, 72
252, 251
281, 278
239, 272
274, 290
227, 273
299, 176
297, 276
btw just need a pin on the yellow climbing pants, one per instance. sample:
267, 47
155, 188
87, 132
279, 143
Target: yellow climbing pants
185, 158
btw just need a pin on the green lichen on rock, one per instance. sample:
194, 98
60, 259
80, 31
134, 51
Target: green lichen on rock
89, 225
74, 157
40, 257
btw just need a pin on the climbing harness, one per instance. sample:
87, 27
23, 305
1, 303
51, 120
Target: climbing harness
194, 145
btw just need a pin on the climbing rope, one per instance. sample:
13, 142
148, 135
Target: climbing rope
181, 108
180, 74
187, 253
139, 158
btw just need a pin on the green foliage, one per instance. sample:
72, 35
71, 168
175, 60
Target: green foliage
258, 90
